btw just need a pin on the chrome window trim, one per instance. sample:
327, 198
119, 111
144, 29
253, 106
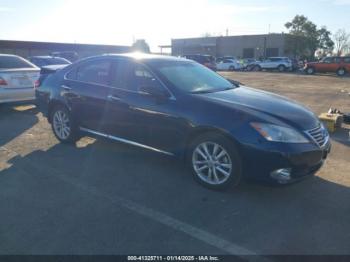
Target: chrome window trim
125, 141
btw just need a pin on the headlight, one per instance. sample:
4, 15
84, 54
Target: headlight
281, 134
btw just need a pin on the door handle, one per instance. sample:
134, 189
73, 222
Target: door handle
67, 88
113, 98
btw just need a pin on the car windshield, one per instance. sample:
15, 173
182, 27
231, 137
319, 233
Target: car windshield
52, 61
192, 77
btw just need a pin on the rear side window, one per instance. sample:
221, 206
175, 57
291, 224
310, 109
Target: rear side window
97, 72
13, 62
347, 60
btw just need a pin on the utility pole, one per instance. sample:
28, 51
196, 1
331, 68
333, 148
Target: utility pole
227, 32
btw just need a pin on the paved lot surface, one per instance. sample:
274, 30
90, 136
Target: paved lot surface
106, 198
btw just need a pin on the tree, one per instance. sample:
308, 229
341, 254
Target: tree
141, 46
341, 39
325, 41
305, 38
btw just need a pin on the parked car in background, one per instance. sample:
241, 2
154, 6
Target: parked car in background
338, 65
17, 79
295, 65
42, 61
281, 64
219, 59
248, 63
228, 65
69, 55
180, 108
206, 60
48, 70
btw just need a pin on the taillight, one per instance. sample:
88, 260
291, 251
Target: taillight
37, 84
3, 82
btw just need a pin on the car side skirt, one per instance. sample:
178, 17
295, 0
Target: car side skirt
125, 141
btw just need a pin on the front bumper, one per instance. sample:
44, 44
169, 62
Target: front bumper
303, 160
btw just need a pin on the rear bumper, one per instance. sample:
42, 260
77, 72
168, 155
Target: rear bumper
302, 160
16, 94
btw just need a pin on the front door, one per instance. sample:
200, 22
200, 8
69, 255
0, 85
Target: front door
137, 116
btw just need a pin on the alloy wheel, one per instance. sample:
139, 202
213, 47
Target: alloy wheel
212, 163
61, 124
341, 72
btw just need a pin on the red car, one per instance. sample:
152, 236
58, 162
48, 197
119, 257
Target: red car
339, 65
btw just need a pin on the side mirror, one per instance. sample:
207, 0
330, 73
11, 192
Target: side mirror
235, 83
153, 90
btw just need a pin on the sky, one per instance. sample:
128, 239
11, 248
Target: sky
158, 21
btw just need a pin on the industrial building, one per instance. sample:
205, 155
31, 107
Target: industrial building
28, 48
245, 46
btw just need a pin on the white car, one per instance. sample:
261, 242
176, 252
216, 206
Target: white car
274, 63
17, 79
228, 65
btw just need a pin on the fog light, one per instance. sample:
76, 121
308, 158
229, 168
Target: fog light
283, 176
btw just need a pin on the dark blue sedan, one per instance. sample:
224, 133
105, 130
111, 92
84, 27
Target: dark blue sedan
174, 106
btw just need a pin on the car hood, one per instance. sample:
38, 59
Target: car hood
266, 105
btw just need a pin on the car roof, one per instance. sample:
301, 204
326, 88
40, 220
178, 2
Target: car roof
9, 55
142, 56
44, 56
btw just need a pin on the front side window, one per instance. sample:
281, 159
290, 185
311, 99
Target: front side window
131, 76
328, 60
190, 77
97, 72
347, 60
142, 77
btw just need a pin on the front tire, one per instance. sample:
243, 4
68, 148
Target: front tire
215, 162
281, 68
257, 68
232, 68
63, 125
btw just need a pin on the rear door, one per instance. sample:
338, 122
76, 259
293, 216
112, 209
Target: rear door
327, 65
86, 89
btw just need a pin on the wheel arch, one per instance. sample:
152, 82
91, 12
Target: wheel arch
199, 131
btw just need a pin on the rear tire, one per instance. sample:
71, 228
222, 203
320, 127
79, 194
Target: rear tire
63, 125
214, 161
341, 72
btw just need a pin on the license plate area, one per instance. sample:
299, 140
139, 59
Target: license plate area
22, 81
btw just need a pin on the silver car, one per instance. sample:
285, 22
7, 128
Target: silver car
17, 79
274, 63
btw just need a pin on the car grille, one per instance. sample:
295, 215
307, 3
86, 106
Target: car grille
319, 135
